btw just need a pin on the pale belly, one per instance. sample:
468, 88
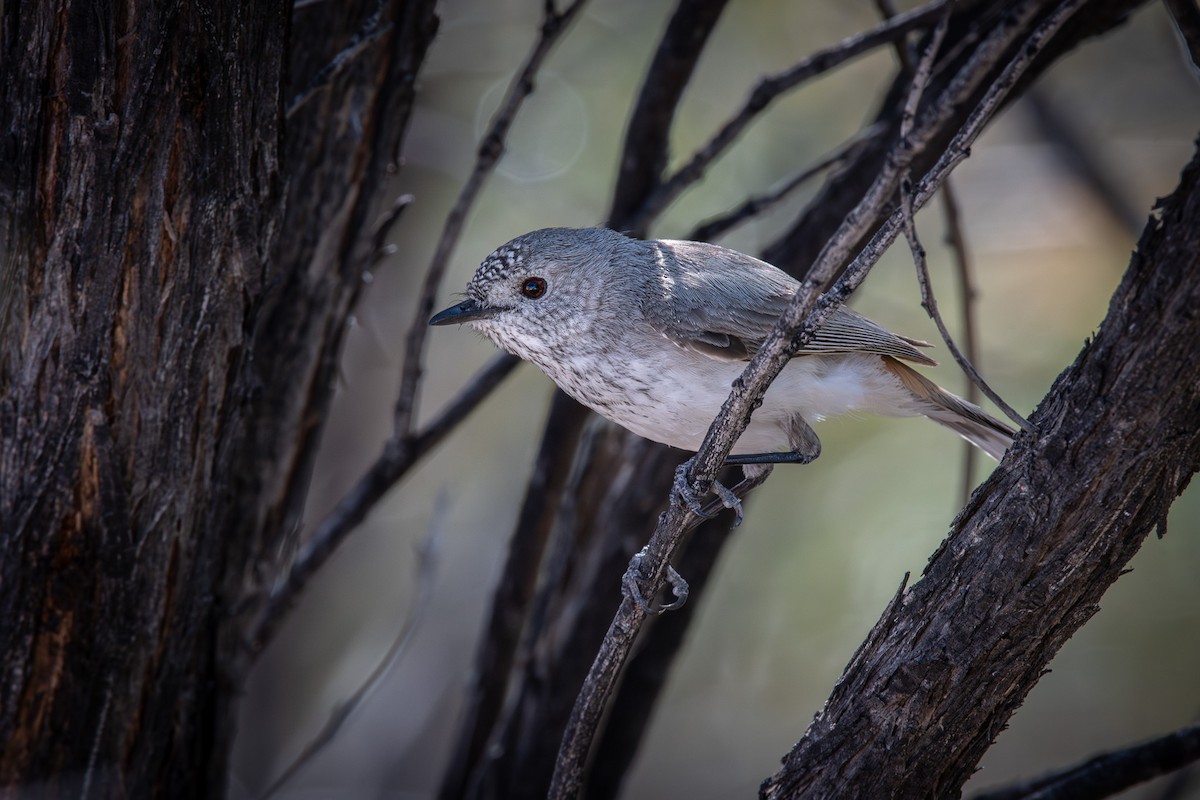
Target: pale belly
676, 406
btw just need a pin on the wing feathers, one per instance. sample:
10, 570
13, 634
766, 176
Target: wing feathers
723, 303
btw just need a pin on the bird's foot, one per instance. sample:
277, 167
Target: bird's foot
683, 491
629, 583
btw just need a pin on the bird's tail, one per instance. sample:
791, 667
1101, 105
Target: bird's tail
966, 419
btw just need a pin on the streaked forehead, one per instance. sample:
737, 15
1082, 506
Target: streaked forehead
504, 262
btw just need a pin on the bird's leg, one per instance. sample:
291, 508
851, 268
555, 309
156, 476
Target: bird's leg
682, 490
803, 439
790, 457
629, 582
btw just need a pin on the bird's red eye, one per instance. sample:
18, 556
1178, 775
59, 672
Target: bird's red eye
533, 288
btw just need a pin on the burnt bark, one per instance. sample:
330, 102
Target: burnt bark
179, 257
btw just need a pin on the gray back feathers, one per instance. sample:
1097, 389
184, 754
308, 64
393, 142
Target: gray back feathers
724, 303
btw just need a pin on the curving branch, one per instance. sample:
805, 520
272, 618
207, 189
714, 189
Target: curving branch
554, 24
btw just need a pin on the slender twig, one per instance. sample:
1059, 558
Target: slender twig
1109, 773
956, 238
716, 226
490, 150
399, 455
426, 567
482, 383
769, 89
369, 32
804, 314
1186, 17
929, 303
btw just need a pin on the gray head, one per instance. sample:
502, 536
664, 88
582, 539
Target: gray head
540, 289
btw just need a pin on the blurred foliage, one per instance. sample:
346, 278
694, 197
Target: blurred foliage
825, 546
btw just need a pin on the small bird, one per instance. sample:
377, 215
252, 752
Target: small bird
651, 334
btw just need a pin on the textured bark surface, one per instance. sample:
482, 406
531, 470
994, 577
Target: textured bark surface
1034, 550
176, 280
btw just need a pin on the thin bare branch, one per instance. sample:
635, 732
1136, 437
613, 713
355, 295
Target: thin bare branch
957, 240
716, 226
1109, 773
426, 567
806, 312
1186, 16
768, 90
490, 150
398, 456
929, 303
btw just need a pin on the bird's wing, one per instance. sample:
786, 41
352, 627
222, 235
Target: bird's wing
723, 303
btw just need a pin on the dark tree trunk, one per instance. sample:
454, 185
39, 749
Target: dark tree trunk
178, 257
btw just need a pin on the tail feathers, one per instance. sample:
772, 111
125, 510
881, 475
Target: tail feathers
966, 419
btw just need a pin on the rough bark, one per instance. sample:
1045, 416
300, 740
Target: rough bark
1033, 551
176, 281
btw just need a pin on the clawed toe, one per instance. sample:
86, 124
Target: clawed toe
683, 491
629, 582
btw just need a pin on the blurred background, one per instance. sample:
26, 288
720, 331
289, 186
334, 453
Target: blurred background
823, 547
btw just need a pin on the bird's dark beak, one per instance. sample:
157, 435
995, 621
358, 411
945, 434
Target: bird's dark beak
465, 311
